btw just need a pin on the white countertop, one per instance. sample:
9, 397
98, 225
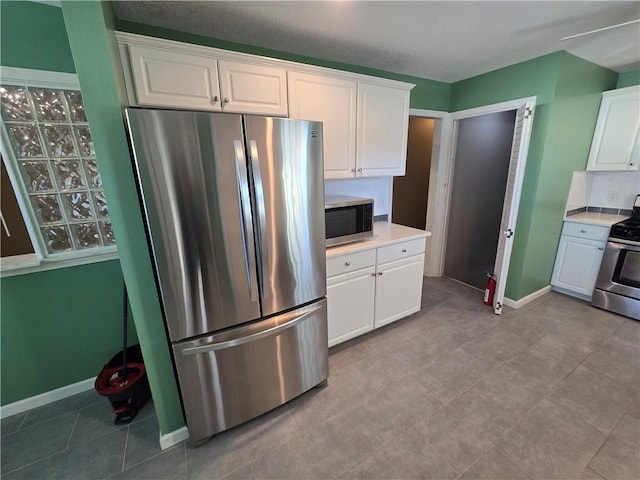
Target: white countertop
384, 233
590, 218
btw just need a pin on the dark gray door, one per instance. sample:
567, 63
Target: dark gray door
285, 160
193, 177
481, 165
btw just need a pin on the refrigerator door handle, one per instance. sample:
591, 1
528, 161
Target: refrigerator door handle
245, 217
274, 330
262, 217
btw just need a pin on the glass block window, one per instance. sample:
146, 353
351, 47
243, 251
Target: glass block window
51, 141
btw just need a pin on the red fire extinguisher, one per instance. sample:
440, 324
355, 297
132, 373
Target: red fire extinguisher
490, 291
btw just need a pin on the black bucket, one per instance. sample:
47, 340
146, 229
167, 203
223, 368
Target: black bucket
127, 389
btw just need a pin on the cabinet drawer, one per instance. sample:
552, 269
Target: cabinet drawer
350, 262
581, 230
400, 250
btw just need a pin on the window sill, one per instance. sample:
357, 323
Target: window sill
30, 263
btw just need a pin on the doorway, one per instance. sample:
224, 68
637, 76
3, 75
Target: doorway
478, 185
410, 192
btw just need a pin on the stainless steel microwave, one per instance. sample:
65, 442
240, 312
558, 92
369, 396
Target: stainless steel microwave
347, 219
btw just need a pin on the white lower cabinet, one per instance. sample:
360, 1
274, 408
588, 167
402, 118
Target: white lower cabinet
398, 289
370, 288
350, 304
580, 253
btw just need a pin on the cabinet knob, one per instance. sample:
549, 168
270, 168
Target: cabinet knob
583, 231
226, 100
373, 274
360, 169
380, 273
600, 248
214, 100
633, 164
404, 250
353, 170
347, 264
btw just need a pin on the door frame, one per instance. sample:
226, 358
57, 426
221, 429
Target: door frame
441, 173
438, 182
444, 203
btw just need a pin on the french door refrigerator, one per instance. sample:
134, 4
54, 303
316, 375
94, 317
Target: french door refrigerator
234, 207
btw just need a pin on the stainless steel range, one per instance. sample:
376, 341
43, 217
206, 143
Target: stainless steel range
618, 285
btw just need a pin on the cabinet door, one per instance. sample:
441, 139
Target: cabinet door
350, 305
577, 264
398, 289
174, 79
333, 102
248, 88
615, 139
383, 120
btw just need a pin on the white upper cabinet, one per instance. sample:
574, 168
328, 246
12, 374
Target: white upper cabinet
174, 79
365, 125
333, 102
245, 87
365, 119
178, 79
615, 140
383, 119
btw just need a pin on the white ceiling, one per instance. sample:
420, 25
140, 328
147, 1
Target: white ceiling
439, 40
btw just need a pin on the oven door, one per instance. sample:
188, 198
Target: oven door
620, 268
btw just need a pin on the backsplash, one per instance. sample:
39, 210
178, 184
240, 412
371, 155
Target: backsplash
603, 190
607, 210
378, 188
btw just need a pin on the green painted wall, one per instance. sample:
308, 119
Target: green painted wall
567, 91
427, 94
32, 35
56, 327
568, 97
59, 327
628, 79
90, 31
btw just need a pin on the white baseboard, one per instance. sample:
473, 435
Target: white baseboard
173, 438
580, 296
529, 298
46, 397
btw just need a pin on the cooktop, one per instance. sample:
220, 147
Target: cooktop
628, 229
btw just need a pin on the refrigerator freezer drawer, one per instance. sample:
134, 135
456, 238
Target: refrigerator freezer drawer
228, 378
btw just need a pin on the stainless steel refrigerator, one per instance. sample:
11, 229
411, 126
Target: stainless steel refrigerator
234, 207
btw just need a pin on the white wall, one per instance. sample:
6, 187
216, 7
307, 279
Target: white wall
378, 188
603, 189
612, 189
578, 191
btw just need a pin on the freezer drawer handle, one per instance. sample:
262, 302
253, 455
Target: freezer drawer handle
262, 220
245, 217
253, 337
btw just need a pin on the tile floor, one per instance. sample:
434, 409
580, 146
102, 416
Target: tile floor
549, 391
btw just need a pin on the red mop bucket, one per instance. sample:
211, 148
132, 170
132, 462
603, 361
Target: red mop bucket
124, 379
127, 388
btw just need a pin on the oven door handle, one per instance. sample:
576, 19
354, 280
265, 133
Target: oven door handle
624, 243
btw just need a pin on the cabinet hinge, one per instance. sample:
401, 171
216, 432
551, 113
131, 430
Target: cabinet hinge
528, 111
509, 233
499, 306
